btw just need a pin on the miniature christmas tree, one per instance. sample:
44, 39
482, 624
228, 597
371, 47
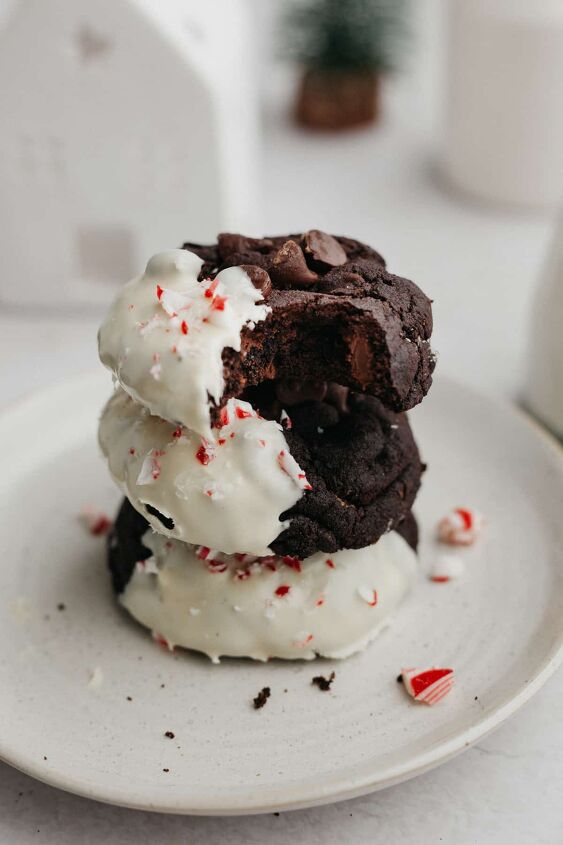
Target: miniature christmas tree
344, 47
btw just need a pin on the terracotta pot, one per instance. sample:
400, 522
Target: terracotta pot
337, 99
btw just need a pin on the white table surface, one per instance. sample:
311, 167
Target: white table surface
480, 266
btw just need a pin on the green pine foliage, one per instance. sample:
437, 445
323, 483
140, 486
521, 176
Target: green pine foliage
347, 35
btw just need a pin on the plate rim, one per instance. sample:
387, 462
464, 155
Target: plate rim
343, 787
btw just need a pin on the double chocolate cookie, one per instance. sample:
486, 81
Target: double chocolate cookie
362, 464
336, 315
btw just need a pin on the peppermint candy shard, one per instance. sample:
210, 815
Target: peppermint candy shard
95, 521
428, 685
161, 640
460, 527
446, 568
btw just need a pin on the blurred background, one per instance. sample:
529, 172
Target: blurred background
431, 129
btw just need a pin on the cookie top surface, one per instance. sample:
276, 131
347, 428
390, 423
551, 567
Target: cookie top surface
204, 323
336, 314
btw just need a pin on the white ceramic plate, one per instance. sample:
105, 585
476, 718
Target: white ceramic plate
500, 627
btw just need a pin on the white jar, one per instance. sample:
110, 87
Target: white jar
505, 111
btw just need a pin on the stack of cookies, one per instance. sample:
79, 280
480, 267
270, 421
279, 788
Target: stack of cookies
258, 432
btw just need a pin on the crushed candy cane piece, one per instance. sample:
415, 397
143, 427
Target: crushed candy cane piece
216, 566
285, 420
205, 453
445, 568
428, 685
330, 563
460, 527
95, 521
302, 639
161, 640
368, 594
289, 465
150, 470
283, 590
148, 566
292, 562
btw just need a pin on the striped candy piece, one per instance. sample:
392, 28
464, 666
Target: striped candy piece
428, 685
460, 527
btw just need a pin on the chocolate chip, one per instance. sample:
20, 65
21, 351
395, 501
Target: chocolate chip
169, 734
259, 278
231, 244
337, 396
323, 249
290, 268
343, 283
293, 392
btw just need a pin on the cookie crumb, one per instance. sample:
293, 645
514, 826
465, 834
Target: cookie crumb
61, 606
323, 683
399, 679
169, 734
262, 697
129, 698
166, 770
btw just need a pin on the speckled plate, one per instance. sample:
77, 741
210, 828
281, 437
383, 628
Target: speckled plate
86, 696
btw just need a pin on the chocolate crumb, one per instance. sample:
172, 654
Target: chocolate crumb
61, 606
276, 814
169, 734
476, 698
323, 683
129, 698
162, 686
399, 679
166, 770
261, 698
44, 758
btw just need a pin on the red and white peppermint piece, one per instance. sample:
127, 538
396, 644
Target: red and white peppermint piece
428, 685
285, 420
216, 565
94, 520
150, 470
293, 562
148, 566
174, 301
303, 638
460, 527
162, 641
205, 453
368, 594
446, 568
290, 466
205, 553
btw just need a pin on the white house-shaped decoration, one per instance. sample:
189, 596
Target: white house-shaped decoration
128, 126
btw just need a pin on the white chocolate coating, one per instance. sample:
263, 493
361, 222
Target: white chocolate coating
227, 492
164, 335
330, 609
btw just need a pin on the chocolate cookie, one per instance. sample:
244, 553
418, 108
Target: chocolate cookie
337, 315
362, 463
364, 469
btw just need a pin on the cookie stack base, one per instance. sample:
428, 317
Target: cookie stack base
228, 606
